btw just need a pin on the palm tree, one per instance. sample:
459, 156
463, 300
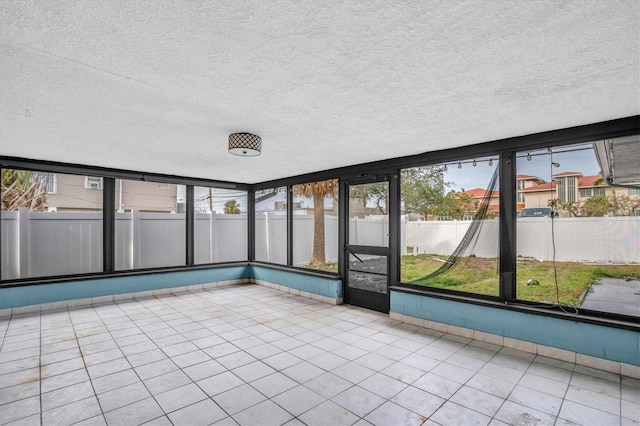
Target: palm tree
318, 191
20, 188
231, 207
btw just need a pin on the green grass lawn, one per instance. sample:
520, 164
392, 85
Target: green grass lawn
480, 276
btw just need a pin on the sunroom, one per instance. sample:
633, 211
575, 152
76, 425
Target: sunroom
290, 211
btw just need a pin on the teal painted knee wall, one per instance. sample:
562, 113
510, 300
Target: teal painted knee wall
599, 341
14, 297
322, 286
27, 295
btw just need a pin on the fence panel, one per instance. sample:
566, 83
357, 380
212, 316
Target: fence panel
303, 233
369, 232
10, 243
271, 238
60, 243
229, 237
42, 244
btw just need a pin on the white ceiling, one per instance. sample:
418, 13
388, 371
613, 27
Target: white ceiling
157, 86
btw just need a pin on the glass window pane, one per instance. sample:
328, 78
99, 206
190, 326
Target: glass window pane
220, 225
582, 249
315, 225
449, 232
271, 225
368, 272
150, 225
369, 214
51, 225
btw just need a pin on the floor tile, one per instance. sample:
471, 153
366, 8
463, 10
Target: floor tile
60, 367
238, 399
595, 384
19, 409
512, 413
133, 414
17, 392
418, 401
273, 384
298, 400
543, 384
403, 372
328, 413
452, 372
58, 356
180, 397
374, 361
593, 399
235, 360
122, 396
219, 383
143, 358
138, 348
436, 385
382, 385
282, 360
307, 351
201, 413
203, 370
263, 350
114, 381
421, 362
353, 372
453, 414
328, 385
154, 369
303, 372
66, 395
358, 400
581, 414
492, 385
265, 413
103, 356
327, 361
630, 410
393, 414
535, 399
72, 413
551, 372
477, 400
207, 342
190, 358
325, 364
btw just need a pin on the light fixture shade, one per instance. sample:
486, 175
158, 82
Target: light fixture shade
245, 144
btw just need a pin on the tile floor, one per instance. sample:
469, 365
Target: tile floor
250, 355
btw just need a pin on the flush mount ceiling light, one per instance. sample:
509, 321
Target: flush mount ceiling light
245, 144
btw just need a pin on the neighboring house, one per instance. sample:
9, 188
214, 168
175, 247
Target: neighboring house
478, 194
531, 191
275, 202
73, 193
570, 187
523, 182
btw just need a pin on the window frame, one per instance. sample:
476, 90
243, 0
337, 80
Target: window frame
506, 147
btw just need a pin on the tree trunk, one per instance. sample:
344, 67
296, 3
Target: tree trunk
318, 230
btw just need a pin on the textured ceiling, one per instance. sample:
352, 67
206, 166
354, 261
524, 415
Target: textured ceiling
156, 86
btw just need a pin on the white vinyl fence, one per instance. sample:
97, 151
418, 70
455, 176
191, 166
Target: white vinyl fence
36, 244
41, 244
576, 239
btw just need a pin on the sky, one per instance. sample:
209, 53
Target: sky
574, 158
